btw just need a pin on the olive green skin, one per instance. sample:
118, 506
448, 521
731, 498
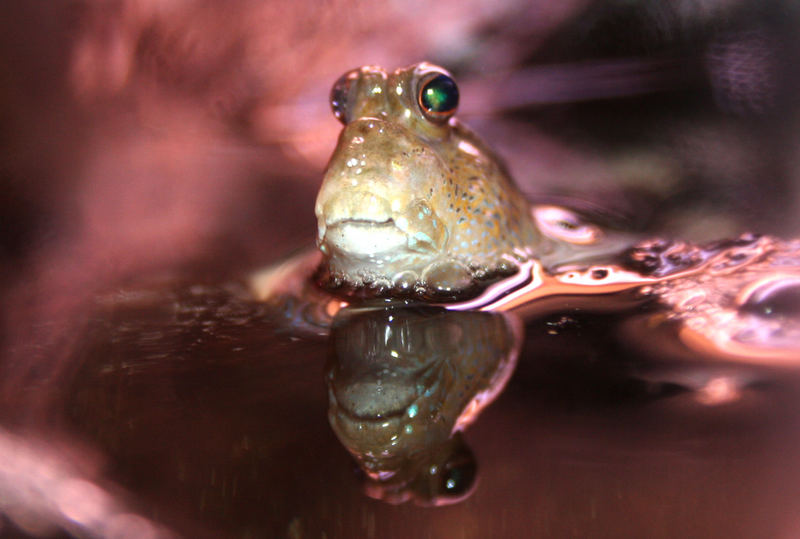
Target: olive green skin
413, 200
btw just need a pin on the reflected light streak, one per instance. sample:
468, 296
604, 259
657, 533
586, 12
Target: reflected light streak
569, 83
41, 491
719, 390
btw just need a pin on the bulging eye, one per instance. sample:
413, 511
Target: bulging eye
340, 95
438, 97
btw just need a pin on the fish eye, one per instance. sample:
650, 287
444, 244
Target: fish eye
438, 97
340, 95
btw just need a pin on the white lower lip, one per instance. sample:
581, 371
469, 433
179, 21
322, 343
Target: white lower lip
365, 238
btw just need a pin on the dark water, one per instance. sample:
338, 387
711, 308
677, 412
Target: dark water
211, 420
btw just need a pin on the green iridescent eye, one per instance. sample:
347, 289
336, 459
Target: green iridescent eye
438, 97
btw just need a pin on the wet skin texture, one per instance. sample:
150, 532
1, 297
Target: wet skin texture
412, 201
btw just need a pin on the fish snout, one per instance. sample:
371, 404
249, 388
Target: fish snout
357, 206
364, 226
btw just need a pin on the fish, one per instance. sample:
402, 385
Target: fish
412, 201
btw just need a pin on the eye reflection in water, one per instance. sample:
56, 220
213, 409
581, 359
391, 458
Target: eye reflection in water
404, 381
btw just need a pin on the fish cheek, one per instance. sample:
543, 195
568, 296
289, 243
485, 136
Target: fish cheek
425, 229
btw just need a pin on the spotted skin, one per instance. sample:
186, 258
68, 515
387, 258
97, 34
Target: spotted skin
485, 212
411, 203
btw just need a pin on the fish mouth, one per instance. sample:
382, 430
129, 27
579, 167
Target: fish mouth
364, 226
364, 238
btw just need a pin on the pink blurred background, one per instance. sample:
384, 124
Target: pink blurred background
143, 139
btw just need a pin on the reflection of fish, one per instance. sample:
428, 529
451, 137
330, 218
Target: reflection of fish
415, 205
403, 379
